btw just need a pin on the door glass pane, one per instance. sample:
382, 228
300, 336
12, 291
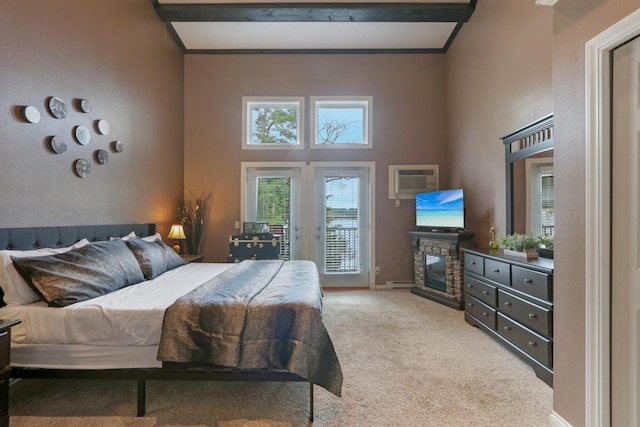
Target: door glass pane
342, 228
274, 207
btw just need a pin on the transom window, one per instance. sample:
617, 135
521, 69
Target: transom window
341, 122
272, 122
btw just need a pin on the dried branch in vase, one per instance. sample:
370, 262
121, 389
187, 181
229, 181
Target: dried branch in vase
193, 214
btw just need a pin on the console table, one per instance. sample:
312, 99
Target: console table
511, 299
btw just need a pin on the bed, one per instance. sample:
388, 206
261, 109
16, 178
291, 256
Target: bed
112, 301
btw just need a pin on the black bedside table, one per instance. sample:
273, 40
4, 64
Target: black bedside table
5, 368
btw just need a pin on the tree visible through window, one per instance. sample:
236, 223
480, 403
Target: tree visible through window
274, 122
274, 207
339, 122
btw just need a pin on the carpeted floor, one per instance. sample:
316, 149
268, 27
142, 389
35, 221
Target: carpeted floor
407, 361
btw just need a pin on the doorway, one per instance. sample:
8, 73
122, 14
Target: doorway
599, 252
323, 212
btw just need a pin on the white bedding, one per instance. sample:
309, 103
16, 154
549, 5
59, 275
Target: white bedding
131, 316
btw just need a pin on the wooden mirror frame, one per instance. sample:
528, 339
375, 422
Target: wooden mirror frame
532, 139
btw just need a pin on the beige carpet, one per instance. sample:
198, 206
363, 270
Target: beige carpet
407, 361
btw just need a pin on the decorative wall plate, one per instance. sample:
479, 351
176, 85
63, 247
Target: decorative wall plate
118, 146
58, 145
103, 127
83, 168
102, 156
85, 106
83, 136
31, 114
57, 107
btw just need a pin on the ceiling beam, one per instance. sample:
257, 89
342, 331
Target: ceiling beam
316, 12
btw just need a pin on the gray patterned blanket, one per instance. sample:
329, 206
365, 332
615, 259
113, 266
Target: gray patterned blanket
256, 315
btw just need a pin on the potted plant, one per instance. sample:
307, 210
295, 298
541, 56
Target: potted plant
546, 246
521, 245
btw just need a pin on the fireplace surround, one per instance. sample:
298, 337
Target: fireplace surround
438, 266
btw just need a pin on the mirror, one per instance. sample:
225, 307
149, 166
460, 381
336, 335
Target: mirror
529, 179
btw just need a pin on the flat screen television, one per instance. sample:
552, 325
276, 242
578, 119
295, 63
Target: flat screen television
440, 210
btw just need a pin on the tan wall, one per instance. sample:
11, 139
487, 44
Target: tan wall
575, 23
498, 80
118, 55
408, 117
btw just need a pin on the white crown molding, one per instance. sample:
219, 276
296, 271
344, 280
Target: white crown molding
546, 2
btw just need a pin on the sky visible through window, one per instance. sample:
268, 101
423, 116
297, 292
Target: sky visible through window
340, 125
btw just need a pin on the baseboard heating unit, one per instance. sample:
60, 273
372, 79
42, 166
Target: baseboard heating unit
400, 284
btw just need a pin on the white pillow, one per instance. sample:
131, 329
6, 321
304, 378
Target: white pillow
16, 290
152, 238
127, 237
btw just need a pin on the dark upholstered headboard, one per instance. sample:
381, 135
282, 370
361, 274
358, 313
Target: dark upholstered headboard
53, 237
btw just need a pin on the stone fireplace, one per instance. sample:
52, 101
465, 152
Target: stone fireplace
439, 266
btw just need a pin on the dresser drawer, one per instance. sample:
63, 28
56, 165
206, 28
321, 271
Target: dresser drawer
531, 282
531, 315
481, 311
474, 264
526, 340
482, 291
497, 271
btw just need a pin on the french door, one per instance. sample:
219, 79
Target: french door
342, 224
321, 210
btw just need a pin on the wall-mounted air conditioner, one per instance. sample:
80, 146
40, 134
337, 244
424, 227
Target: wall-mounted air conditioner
405, 181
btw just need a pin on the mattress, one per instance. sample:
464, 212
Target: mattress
131, 316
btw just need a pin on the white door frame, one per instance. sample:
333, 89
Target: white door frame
598, 204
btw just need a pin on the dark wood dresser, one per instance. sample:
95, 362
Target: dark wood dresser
5, 368
511, 298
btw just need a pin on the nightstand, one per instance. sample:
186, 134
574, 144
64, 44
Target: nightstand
192, 258
5, 368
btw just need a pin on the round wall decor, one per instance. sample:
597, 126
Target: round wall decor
57, 107
118, 146
58, 145
83, 168
83, 136
102, 156
103, 127
31, 114
85, 105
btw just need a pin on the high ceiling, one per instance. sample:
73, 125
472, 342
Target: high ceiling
202, 26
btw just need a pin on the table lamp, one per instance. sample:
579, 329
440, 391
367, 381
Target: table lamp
177, 234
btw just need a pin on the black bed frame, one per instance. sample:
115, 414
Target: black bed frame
51, 237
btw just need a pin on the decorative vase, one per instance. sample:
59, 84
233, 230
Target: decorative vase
493, 243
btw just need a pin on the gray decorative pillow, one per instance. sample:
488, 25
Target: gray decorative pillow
80, 274
154, 257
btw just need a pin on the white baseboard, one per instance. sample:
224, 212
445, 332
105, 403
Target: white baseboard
557, 421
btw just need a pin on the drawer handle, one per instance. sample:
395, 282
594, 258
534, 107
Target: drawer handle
485, 292
469, 285
507, 328
485, 314
507, 303
532, 316
470, 304
496, 270
528, 281
472, 263
533, 344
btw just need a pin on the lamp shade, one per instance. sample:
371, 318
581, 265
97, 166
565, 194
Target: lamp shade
177, 232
